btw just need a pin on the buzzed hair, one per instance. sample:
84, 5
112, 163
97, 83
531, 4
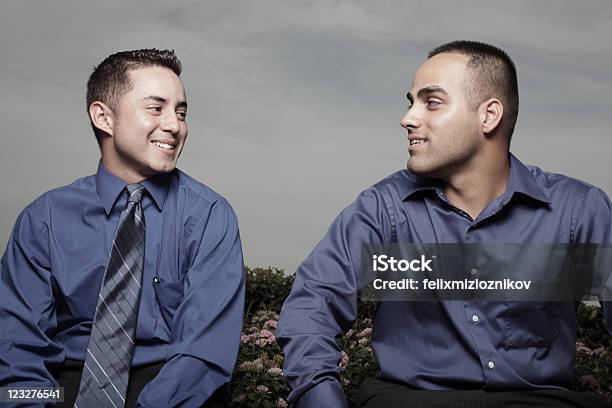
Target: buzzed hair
490, 73
110, 80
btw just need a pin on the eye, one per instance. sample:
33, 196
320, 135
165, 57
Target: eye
432, 103
155, 109
181, 115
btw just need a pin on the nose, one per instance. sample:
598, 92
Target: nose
170, 123
410, 119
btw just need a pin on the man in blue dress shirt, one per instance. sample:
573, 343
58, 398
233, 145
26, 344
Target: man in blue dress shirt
192, 288
462, 186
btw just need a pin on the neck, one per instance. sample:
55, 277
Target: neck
123, 173
478, 184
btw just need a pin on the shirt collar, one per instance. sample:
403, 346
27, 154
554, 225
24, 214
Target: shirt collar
420, 184
520, 181
110, 186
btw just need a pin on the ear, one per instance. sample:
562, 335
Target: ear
102, 116
491, 114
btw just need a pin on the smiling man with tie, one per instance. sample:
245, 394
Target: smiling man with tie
126, 287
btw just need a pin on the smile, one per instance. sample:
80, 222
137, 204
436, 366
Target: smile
415, 144
164, 146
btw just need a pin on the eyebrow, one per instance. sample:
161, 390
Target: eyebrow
426, 91
181, 104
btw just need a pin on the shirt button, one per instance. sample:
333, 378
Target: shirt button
475, 318
156, 279
491, 365
474, 271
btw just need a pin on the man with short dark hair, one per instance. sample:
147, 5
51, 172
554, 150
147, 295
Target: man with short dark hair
126, 287
462, 186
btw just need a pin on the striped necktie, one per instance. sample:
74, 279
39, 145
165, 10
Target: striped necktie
111, 344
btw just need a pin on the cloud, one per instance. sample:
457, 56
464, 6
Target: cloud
295, 107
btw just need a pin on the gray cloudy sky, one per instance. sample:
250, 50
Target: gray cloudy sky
294, 106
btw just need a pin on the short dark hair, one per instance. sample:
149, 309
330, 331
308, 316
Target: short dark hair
110, 80
490, 73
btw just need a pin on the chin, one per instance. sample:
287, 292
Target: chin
420, 169
161, 168
166, 169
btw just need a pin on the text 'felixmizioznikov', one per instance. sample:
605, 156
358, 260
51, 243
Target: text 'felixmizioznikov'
384, 263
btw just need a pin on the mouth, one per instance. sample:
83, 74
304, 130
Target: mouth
167, 147
416, 143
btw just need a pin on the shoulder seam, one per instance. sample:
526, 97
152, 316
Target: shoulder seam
391, 212
40, 223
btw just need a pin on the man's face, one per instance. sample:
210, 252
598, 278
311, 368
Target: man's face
444, 135
150, 129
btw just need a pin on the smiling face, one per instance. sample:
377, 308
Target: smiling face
147, 130
444, 133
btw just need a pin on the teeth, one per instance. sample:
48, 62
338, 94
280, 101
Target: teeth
164, 146
415, 141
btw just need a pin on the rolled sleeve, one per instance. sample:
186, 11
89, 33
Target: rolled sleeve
323, 303
205, 334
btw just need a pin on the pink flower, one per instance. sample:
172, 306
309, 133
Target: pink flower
266, 333
271, 324
262, 389
265, 337
349, 333
581, 348
365, 332
281, 403
264, 341
275, 371
255, 365
344, 360
245, 338
363, 341
346, 381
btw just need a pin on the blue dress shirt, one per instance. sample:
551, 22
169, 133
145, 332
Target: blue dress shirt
441, 345
192, 297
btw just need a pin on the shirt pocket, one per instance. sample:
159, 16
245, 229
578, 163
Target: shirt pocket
169, 296
530, 324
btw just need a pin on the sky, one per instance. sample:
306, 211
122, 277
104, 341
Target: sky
294, 107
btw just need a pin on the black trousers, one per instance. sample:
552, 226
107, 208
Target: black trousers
69, 376
376, 393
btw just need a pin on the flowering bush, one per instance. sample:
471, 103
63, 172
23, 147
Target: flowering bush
267, 289
593, 353
258, 379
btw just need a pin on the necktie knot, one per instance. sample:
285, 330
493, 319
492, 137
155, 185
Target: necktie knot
135, 191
